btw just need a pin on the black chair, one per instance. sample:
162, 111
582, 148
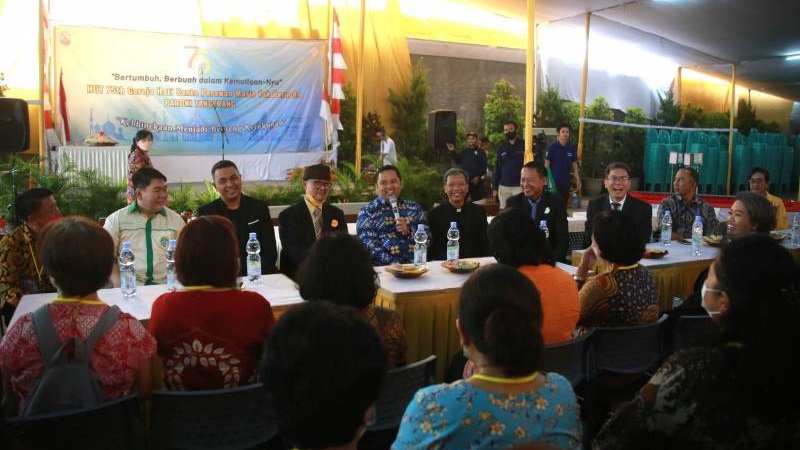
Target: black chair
569, 358
113, 425
235, 418
627, 350
693, 331
398, 390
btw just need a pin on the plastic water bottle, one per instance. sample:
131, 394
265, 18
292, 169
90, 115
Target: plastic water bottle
171, 284
543, 227
666, 228
795, 230
452, 242
127, 271
420, 246
253, 258
697, 236
576, 201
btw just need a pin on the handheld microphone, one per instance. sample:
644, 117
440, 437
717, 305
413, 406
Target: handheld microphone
395, 209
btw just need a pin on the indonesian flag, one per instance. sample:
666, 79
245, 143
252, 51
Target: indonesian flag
338, 66
62, 108
51, 137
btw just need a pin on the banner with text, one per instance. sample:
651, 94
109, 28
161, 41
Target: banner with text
266, 93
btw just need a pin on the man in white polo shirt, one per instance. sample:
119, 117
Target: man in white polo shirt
148, 225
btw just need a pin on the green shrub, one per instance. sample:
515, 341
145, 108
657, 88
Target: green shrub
409, 108
501, 105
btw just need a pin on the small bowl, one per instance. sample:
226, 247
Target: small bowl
713, 240
778, 236
654, 254
406, 270
461, 266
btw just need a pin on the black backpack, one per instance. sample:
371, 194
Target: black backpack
68, 382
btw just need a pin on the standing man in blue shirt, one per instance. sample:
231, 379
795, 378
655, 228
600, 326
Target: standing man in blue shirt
562, 159
473, 160
510, 156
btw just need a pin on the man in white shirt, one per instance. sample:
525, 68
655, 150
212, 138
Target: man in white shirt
388, 153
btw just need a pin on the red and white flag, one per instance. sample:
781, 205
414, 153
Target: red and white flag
50, 135
62, 109
330, 108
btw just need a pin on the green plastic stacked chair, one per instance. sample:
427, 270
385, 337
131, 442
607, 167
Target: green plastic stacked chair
758, 151
774, 160
651, 174
742, 162
696, 144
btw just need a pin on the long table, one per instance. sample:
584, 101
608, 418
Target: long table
278, 289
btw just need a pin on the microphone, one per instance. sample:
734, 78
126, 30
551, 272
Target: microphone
395, 209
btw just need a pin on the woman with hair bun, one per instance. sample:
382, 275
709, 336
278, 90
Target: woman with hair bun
138, 157
508, 402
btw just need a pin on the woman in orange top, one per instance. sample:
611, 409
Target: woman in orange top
517, 241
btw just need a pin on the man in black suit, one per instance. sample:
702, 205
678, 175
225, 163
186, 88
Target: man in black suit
248, 215
542, 205
301, 224
618, 183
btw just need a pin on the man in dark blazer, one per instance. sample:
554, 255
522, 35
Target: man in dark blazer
618, 183
249, 215
296, 224
540, 204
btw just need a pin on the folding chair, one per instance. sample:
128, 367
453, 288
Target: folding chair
569, 358
398, 390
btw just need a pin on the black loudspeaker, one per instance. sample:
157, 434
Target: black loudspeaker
14, 127
441, 128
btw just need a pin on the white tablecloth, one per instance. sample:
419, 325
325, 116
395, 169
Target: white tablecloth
109, 161
277, 288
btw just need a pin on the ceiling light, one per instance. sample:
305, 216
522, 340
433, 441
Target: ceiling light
793, 57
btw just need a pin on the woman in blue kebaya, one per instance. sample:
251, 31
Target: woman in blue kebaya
508, 402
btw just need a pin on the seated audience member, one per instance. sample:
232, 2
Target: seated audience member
540, 205
684, 205
249, 215
741, 392
516, 242
625, 293
301, 224
339, 269
210, 316
618, 184
148, 225
386, 230
759, 184
471, 220
508, 401
324, 367
78, 256
21, 271
750, 213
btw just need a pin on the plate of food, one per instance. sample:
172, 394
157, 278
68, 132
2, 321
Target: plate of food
779, 235
713, 240
461, 266
406, 270
654, 253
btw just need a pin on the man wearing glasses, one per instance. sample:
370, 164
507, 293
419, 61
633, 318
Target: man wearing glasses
759, 183
301, 224
618, 183
249, 215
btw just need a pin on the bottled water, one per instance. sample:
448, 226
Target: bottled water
697, 236
420, 246
543, 227
171, 283
127, 271
795, 230
576, 201
666, 228
452, 242
253, 258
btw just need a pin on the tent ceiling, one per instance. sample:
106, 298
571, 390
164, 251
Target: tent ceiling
756, 35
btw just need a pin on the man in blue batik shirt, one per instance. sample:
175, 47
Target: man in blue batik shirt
389, 239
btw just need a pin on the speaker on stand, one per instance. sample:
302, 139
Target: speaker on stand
14, 136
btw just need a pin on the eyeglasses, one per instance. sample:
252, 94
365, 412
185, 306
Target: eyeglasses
757, 180
614, 179
322, 184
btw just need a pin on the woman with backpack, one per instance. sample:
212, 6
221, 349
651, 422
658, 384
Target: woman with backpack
78, 255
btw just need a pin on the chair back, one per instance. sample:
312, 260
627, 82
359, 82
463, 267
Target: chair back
398, 390
693, 331
116, 424
568, 358
628, 350
237, 418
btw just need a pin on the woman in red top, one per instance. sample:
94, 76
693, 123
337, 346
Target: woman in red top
78, 255
210, 334
138, 157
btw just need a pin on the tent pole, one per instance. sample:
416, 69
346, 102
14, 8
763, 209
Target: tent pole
730, 133
679, 84
360, 86
530, 68
583, 88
